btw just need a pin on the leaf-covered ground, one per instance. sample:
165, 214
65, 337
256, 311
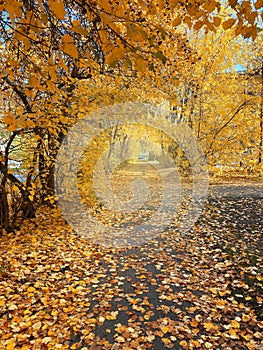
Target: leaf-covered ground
203, 291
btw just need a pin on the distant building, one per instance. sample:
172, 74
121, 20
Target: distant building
143, 156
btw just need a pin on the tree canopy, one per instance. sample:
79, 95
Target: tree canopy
62, 59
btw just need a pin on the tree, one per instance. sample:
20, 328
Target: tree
255, 85
54, 51
215, 102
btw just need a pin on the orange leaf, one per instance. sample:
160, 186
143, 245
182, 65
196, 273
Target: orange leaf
229, 23
68, 46
209, 326
57, 7
217, 21
235, 324
183, 344
31, 289
10, 344
258, 4
233, 334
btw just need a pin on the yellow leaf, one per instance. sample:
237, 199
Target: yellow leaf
75, 23
14, 8
198, 25
46, 340
33, 81
135, 32
258, 4
80, 30
232, 3
152, 10
183, 344
115, 55
106, 6
51, 86
177, 21
209, 6
217, 21
166, 341
54, 313
106, 18
247, 336
213, 290
10, 120
37, 325
139, 64
172, 4
229, 23
161, 4
120, 339
12, 307
68, 46
233, 334
57, 7
235, 324
165, 329
31, 289
209, 326
194, 323
195, 343
245, 318
248, 31
10, 344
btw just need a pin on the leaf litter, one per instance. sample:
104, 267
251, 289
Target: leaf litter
201, 291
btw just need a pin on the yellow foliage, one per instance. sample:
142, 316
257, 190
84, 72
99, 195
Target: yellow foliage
258, 4
57, 7
68, 46
229, 23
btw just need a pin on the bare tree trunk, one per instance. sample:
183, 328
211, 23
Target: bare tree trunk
260, 154
4, 209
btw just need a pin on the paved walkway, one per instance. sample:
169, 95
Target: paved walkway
166, 293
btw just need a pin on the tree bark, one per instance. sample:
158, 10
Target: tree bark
260, 154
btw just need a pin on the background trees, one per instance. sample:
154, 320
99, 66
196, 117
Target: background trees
222, 108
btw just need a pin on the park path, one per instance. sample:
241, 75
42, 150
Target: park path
202, 290
186, 292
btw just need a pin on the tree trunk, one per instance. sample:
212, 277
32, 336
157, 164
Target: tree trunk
4, 209
260, 154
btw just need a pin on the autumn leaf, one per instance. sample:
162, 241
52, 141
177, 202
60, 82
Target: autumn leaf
57, 7
209, 326
217, 21
161, 56
258, 4
228, 23
68, 46
184, 344
235, 324
10, 345
136, 33
14, 8
177, 21
232, 3
115, 55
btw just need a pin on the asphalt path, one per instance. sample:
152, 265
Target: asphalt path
137, 284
